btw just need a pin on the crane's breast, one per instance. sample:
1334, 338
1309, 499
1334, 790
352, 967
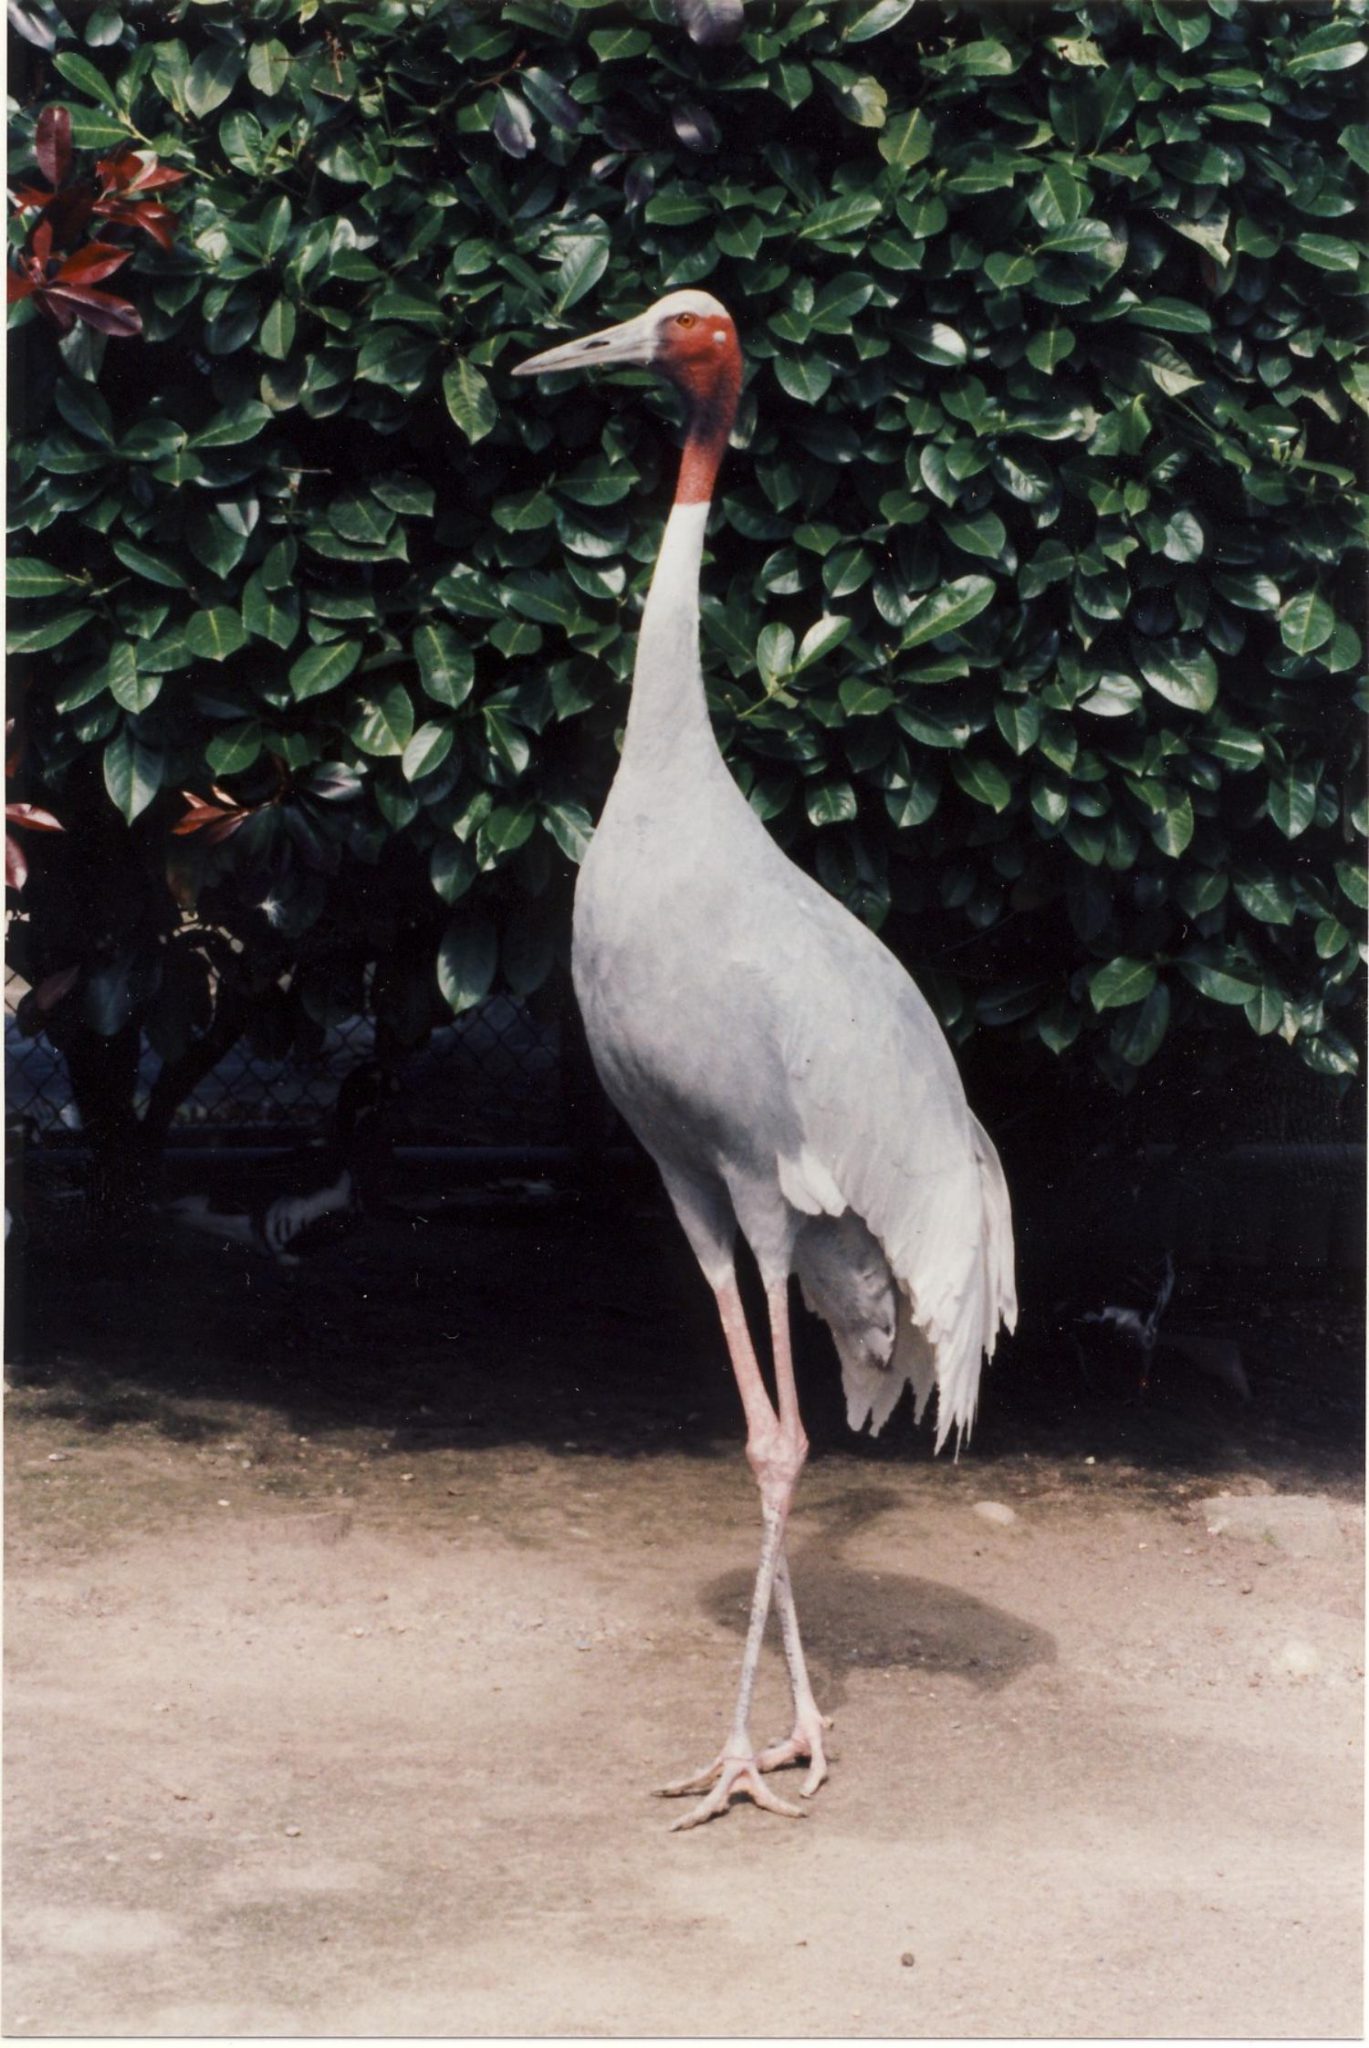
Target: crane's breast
670, 983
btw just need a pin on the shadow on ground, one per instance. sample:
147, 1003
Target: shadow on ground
855, 1619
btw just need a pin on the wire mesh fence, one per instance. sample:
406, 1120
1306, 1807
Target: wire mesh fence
493, 1077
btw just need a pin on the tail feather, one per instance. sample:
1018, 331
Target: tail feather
884, 1338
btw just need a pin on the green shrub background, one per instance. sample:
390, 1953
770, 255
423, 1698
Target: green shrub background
1032, 613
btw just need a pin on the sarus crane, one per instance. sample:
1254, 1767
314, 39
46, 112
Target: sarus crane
774, 1058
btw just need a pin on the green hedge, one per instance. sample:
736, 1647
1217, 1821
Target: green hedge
1032, 608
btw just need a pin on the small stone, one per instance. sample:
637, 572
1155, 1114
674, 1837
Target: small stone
583, 1643
155, 1856
908, 1958
292, 1831
1299, 1660
997, 1512
223, 1503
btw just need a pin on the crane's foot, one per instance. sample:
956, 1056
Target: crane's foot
723, 1781
805, 1745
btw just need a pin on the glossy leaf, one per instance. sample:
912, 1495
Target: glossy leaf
322, 668
1120, 983
466, 962
947, 609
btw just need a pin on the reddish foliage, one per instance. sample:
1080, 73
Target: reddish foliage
217, 820
31, 817
33, 820
57, 274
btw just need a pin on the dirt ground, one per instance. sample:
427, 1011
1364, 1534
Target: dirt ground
353, 1615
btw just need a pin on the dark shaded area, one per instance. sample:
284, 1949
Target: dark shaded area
881, 1621
575, 1319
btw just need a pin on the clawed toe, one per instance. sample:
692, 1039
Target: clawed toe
805, 1745
735, 1775
680, 1788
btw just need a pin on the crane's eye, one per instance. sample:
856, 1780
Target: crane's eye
685, 319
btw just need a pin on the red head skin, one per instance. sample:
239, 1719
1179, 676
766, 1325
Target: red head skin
700, 354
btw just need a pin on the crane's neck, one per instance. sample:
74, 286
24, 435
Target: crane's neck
668, 723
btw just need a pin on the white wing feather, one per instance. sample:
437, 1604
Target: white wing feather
882, 1109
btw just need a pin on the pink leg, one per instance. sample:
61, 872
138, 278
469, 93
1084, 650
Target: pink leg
776, 1448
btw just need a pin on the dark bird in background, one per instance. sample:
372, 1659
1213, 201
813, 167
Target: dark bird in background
1144, 1328
321, 1193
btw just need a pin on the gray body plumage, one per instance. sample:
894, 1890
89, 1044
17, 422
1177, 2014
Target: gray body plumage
774, 1057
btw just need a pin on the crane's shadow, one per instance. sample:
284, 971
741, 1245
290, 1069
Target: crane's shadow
857, 1619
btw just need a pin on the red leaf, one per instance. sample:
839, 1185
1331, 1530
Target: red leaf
26, 197
63, 317
98, 309
53, 987
216, 821
160, 175
157, 221
52, 144
68, 213
16, 866
116, 173
198, 816
97, 259
224, 828
17, 287
35, 819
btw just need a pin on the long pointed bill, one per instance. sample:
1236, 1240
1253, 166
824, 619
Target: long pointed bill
632, 341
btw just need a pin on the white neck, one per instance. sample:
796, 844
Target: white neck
669, 711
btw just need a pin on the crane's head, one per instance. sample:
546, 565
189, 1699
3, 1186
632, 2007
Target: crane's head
687, 336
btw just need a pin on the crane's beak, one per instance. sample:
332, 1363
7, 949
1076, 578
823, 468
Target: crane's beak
632, 341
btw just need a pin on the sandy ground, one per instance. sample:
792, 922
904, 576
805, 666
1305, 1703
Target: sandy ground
344, 1651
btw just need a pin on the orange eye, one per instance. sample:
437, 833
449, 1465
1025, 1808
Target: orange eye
685, 319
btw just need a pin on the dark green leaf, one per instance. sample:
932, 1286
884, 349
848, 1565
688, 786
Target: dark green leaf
947, 609
1137, 1038
214, 634
322, 668
133, 774
1182, 671
466, 962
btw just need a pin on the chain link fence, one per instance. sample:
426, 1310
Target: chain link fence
493, 1077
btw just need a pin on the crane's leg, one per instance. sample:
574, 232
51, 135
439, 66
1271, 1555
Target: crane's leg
809, 1725
776, 1448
